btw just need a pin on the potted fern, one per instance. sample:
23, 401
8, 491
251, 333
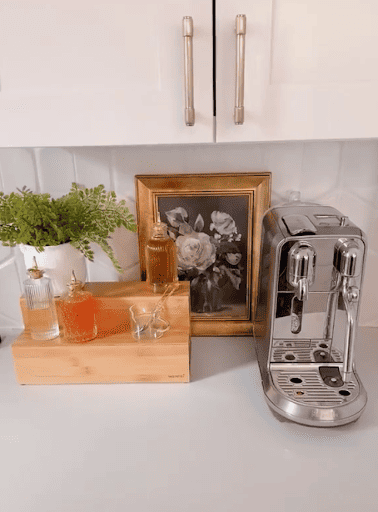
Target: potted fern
58, 232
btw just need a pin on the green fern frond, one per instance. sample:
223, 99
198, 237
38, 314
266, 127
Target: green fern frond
82, 216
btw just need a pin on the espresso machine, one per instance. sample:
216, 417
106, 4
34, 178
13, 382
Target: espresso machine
311, 271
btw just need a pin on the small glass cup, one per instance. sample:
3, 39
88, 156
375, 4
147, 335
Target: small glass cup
146, 324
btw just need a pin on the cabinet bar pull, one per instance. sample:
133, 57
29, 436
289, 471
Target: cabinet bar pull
240, 25
187, 26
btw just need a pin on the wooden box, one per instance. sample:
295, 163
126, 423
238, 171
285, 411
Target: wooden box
114, 356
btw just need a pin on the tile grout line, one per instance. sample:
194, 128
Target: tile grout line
20, 268
36, 157
74, 165
340, 180
302, 163
112, 169
1, 178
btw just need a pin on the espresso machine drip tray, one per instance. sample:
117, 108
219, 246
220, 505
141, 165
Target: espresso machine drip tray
307, 387
316, 397
308, 397
304, 351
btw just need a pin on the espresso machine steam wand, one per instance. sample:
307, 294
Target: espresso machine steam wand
346, 258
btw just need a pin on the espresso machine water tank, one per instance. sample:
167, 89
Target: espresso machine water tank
311, 272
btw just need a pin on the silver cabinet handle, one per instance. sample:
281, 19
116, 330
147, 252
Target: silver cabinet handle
187, 26
241, 25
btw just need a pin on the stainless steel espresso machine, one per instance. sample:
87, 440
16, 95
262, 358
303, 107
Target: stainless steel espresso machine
311, 272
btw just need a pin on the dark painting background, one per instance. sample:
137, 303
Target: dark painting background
235, 301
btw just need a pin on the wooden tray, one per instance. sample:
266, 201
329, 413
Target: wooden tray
114, 356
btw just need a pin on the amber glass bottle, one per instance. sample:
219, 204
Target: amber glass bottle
78, 313
161, 257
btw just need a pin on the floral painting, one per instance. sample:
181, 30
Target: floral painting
215, 219
210, 237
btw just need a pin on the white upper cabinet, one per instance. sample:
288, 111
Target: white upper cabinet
111, 72
102, 72
311, 69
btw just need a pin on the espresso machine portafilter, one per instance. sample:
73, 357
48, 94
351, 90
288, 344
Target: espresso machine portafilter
311, 271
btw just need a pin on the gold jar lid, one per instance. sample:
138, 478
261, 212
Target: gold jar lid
74, 284
35, 272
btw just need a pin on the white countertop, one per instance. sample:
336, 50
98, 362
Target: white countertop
211, 445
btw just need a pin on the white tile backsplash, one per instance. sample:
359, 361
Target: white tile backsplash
357, 155
92, 166
285, 163
371, 228
10, 314
369, 300
320, 169
18, 168
343, 174
53, 163
359, 169
223, 157
101, 269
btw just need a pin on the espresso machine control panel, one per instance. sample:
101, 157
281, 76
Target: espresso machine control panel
311, 275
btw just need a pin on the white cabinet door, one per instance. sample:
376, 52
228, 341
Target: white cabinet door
102, 72
311, 69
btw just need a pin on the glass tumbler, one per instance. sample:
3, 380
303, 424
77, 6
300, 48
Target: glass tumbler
146, 324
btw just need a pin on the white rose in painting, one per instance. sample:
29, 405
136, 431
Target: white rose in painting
223, 223
195, 250
177, 216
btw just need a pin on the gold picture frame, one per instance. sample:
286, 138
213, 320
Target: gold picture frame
219, 212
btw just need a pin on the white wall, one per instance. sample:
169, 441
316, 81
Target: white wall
341, 174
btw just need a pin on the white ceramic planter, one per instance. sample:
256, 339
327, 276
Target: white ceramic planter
57, 261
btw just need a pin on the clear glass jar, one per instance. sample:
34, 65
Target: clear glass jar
40, 305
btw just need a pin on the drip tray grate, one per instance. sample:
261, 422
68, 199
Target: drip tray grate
303, 351
306, 387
